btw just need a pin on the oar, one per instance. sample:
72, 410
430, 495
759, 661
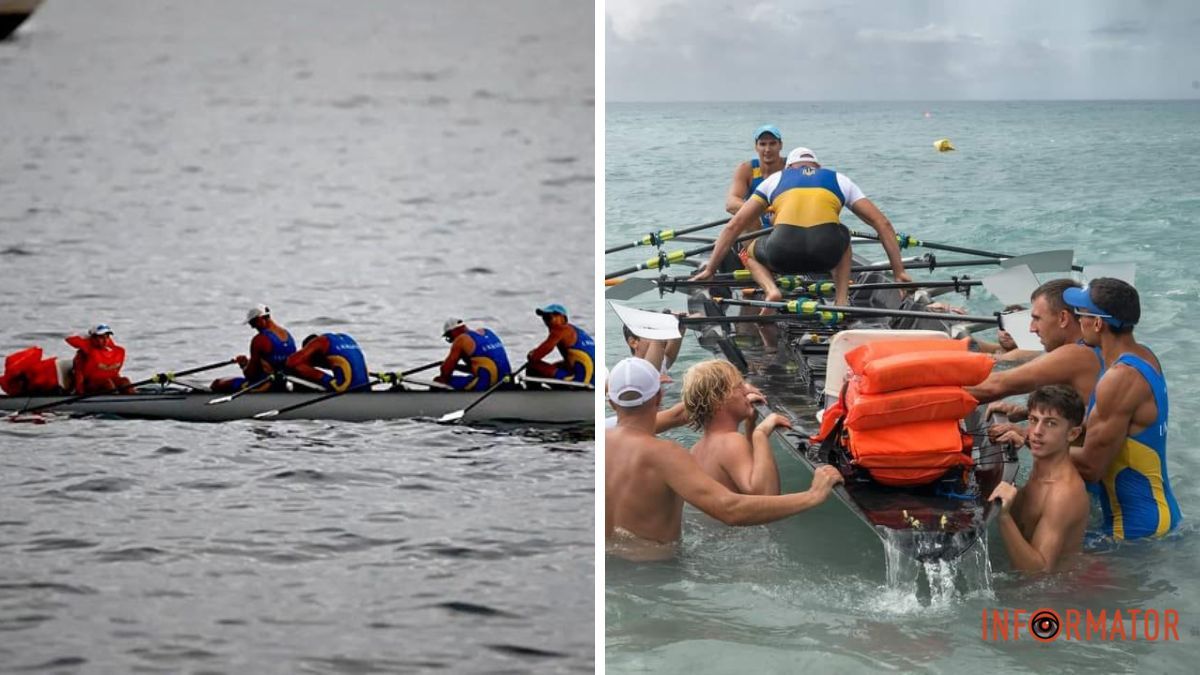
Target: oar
665, 258
158, 378
803, 285
240, 392
658, 238
906, 241
812, 307
1046, 261
378, 378
459, 414
630, 288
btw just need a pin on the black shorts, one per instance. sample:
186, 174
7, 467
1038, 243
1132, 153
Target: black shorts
797, 250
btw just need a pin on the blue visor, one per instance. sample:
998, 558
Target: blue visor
1081, 300
767, 129
553, 308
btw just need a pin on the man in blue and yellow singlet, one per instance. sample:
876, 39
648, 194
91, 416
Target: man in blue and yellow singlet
269, 351
478, 352
573, 343
807, 235
768, 143
1125, 449
333, 360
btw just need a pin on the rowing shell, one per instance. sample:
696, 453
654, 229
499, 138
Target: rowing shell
525, 406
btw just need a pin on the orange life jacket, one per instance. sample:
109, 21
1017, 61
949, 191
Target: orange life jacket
924, 369
860, 356
26, 372
920, 404
101, 367
910, 454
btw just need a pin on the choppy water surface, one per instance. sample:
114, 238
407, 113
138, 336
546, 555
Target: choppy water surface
367, 167
815, 592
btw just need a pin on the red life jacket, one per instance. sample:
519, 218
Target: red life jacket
26, 372
101, 367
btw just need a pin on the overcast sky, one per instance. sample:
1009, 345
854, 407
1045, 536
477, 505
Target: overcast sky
814, 50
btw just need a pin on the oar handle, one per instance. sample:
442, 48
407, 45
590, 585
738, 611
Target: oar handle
666, 258
662, 236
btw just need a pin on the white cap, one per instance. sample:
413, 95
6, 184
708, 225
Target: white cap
451, 324
100, 329
632, 382
257, 311
801, 155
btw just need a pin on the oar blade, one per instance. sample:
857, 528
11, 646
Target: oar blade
219, 400
265, 414
1044, 262
647, 325
1016, 324
630, 288
452, 416
1125, 271
1012, 286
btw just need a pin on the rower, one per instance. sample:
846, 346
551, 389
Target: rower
768, 142
573, 343
478, 352
1126, 445
96, 368
269, 351
336, 353
718, 400
1043, 523
647, 479
1067, 359
807, 235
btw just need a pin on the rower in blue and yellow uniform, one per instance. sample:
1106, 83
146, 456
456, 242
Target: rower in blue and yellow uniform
269, 351
478, 352
336, 353
574, 344
1126, 446
768, 142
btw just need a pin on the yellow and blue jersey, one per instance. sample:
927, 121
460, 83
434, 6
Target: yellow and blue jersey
1135, 492
580, 358
805, 196
345, 359
756, 179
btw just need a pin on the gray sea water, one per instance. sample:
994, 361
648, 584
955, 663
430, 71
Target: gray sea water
369, 167
1112, 180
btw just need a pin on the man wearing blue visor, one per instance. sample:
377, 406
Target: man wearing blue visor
576, 347
768, 143
1126, 446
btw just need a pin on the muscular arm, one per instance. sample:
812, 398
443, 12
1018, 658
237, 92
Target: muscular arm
738, 188
871, 215
299, 363
1118, 395
755, 472
556, 336
687, 479
1062, 511
1060, 366
462, 345
745, 219
256, 366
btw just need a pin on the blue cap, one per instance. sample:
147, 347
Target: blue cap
1079, 298
553, 308
100, 329
767, 129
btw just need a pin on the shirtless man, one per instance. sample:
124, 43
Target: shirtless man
647, 479
1067, 359
717, 400
1042, 524
1126, 445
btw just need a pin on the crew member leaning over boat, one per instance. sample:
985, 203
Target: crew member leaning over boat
1126, 445
573, 343
98, 361
807, 235
269, 351
478, 352
747, 176
336, 353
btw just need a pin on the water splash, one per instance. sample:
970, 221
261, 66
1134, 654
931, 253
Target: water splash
938, 583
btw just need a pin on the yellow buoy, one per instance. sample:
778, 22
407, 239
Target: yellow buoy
943, 145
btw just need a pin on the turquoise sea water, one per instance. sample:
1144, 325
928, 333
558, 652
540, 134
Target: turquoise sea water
1115, 181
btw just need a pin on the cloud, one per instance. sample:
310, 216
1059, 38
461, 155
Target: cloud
1121, 28
929, 34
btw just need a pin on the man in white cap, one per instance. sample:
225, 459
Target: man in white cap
478, 352
647, 479
98, 361
808, 235
269, 352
